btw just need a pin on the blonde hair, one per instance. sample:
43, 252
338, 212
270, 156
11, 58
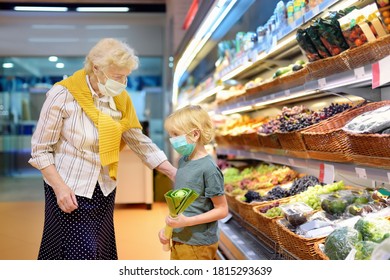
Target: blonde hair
190, 118
110, 51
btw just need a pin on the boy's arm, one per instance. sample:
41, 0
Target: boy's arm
219, 211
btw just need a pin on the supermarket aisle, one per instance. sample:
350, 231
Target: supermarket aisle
21, 217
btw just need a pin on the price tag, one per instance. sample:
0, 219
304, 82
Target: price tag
361, 172
326, 173
322, 83
359, 73
291, 161
287, 92
388, 176
380, 72
270, 158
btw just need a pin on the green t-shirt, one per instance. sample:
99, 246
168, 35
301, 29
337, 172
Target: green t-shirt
204, 177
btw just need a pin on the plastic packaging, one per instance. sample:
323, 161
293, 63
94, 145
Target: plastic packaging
370, 122
297, 213
382, 251
306, 45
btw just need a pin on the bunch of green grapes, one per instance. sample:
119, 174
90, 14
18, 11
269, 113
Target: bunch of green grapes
274, 212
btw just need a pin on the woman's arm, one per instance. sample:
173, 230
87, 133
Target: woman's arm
149, 152
219, 211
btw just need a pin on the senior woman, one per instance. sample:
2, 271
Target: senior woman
84, 122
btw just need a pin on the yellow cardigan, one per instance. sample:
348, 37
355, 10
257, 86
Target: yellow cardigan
110, 131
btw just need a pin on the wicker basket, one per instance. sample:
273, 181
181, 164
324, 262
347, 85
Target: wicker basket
368, 53
318, 254
299, 246
232, 202
328, 141
266, 224
328, 66
251, 141
269, 141
293, 79
370, 149
245, 210
292, 140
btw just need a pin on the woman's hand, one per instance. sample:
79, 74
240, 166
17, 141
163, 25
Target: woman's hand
177, 222
66, 199
161, 236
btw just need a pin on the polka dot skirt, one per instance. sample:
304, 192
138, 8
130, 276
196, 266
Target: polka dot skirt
85, 234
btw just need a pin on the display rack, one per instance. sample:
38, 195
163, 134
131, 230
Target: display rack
239, 240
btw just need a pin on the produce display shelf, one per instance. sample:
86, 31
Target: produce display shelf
349, 169
241, 241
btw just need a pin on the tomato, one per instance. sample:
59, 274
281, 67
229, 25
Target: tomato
358, 42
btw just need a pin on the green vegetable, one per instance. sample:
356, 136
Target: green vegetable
364, 250
339, 243
373, 229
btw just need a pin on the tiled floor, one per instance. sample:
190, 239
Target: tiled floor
21, 218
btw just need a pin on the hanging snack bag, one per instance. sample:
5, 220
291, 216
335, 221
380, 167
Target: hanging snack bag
312, 31
307, 46
331, 36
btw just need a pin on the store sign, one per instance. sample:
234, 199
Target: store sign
380, 72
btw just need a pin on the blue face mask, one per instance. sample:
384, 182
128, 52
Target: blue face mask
180, 144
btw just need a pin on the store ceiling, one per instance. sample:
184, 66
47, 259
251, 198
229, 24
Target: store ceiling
71, 34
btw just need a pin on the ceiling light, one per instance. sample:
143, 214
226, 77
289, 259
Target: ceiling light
40, 9
100, 27
103, 9
8, 65
60, 65
53, 58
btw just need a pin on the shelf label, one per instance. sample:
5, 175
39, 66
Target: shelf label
359, 73
361, 172
270, 158
380, 72
287, 92
388, 176
326, 173
291, 161
322, 83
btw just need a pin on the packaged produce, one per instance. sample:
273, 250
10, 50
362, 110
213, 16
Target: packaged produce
312, 31
364, 250
306, 45
296, 213
374, 229
331, 36
382, 251
370, 122
382, 3
352, 31
340, 242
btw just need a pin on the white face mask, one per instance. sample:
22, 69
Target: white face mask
111, 87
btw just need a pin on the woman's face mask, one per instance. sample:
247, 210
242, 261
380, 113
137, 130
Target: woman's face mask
111, 87
180, 144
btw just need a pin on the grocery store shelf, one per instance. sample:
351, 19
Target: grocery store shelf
346, 169
240, 241
361, 76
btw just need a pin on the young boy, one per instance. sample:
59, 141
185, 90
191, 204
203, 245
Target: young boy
195, 232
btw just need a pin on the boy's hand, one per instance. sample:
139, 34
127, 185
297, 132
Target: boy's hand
161, 236
177, 222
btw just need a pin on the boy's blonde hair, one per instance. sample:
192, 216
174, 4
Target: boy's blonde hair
110, 51
189, 118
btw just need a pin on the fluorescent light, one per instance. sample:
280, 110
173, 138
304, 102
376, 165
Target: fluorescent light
103, 9
53, 26
60, 65
107, 27
8, 65
53, 58
40, 9
208, 26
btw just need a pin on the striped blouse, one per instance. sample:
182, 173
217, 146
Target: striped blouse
66, 137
